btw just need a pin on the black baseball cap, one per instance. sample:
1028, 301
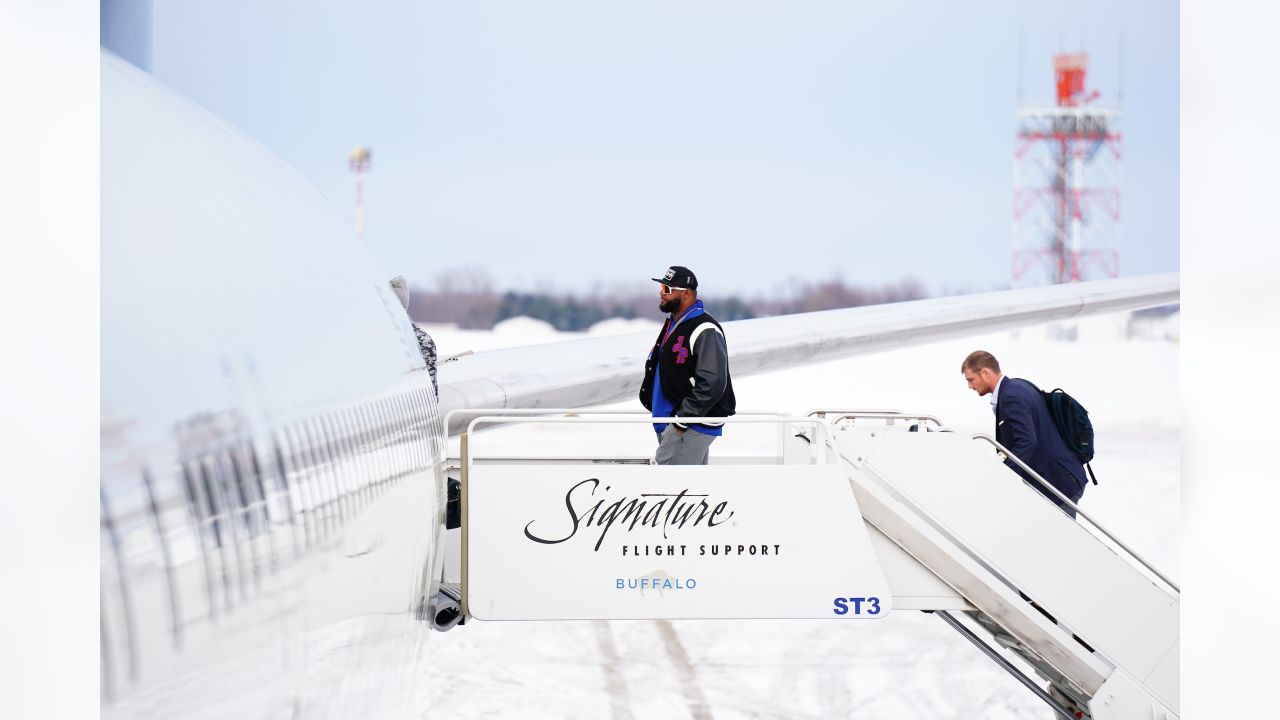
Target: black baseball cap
678, 276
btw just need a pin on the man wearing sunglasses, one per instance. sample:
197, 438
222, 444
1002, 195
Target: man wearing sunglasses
687, 373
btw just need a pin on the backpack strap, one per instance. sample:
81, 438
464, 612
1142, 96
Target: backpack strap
1092, 477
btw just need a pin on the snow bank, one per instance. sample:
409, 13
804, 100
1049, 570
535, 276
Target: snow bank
525, 327
622, 326
909, 665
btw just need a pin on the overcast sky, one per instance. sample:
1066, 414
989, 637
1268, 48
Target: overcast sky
565, 144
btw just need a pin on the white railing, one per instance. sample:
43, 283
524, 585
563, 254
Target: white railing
1068, 502
571, 417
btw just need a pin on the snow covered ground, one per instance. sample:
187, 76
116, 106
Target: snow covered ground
909, 666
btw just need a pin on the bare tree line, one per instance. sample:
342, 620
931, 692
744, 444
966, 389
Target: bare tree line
469, 299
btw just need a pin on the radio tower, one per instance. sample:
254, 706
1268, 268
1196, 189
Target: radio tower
359, 162
1066, 184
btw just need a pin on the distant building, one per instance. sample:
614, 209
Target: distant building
1162, 323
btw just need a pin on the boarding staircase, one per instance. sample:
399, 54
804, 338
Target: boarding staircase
1092, 617
960, 535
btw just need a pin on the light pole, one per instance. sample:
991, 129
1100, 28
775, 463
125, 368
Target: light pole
360, 160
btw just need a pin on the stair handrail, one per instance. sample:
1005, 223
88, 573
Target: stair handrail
844, 414
614, 417
1067, 501
887, 416
571, 412
824, 412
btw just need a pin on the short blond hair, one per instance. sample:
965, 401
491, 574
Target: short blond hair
979, 359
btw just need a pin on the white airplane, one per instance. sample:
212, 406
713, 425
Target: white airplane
273, 492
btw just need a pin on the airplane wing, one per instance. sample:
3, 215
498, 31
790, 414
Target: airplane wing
594, 371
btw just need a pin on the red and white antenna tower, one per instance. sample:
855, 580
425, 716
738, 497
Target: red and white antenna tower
1066, 184
359, 162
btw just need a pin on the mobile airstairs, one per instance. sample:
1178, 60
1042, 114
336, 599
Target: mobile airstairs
960, 535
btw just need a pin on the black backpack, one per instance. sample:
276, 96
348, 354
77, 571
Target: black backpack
1072, 421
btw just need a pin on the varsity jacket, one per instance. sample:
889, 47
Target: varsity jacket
691, 365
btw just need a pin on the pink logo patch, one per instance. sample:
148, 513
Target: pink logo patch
682, 353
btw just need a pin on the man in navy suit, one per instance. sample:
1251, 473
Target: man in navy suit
1023, 425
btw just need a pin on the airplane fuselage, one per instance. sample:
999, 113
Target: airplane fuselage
272, 448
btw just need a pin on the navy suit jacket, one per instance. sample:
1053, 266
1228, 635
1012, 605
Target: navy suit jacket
1024, 426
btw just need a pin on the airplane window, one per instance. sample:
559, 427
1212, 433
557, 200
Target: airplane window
310, 501
380, 440
414, 403
369, 451
122, 583
259, 487
213, 506
175, 624
431, 427
348, 440
106, 668
403, 438
224, 566
325, 474
397, 447
239, 490
264, 510
285, 493
337, 468
299, 496
311, 479
240, 520
189, 470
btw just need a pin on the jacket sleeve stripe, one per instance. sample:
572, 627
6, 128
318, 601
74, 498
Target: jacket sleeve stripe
693, 338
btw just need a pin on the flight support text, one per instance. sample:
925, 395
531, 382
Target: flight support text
761, 550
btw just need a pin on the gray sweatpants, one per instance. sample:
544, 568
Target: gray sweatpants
691, 448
